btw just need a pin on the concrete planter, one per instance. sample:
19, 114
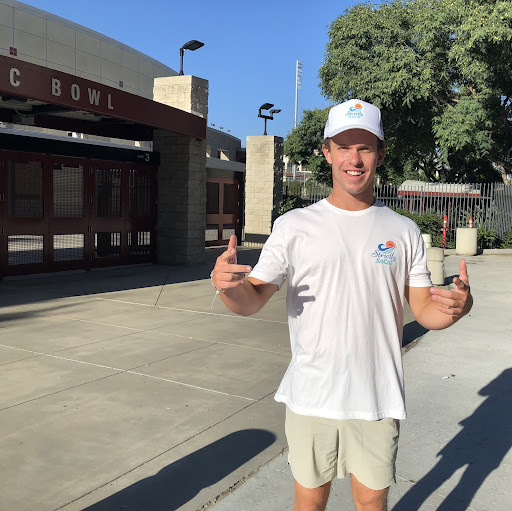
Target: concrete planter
466, 241
435, 264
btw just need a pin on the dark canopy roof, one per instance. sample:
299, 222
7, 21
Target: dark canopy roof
42, 97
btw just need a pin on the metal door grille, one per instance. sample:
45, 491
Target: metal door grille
108, 192
68, 247
25, 189
107, 244
212, 232
25, 249
141, 189
68, 191
139, 243
227, 231
59, 213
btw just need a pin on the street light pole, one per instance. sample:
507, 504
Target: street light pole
192, 46
182, 51
267, 106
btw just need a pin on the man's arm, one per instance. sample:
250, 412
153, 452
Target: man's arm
240, 296
435, 308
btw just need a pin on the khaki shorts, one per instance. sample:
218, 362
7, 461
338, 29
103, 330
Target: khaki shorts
321, 449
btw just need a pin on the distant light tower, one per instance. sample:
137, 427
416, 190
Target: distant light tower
298, 83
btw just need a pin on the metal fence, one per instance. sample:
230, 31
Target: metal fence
310, 191
488, 205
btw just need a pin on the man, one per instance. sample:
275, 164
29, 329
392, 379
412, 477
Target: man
350, 262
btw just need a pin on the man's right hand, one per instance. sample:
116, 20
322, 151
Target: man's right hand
227, 274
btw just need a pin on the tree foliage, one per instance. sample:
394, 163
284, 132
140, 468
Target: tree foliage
304, 144
440, 70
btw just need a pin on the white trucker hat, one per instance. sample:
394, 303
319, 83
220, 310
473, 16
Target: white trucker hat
354, 114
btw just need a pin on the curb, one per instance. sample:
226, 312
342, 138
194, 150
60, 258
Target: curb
485, 251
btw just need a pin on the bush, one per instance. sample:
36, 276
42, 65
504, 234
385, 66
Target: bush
428, 224
488, 238
289, 203
506, 240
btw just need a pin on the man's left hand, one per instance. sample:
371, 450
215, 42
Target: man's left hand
456, 302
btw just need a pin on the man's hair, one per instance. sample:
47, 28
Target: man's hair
380, 144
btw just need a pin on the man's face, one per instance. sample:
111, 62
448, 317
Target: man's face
354, 157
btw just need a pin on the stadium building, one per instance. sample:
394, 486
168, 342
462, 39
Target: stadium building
105, 153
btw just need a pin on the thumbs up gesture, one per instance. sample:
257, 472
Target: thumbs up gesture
227, 274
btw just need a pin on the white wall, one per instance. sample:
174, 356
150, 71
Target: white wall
50, 41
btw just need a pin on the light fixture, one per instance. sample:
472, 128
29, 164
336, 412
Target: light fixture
267, 106
192, 46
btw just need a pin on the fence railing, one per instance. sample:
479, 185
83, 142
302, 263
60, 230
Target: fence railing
310, 191
488, 204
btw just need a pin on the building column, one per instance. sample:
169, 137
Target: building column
263, 186
181, 175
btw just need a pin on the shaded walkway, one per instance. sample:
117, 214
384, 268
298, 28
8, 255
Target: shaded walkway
480, 447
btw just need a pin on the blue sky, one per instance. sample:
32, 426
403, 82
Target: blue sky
249, 54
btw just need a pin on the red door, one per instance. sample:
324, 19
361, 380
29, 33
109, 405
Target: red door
60, 213
222, 210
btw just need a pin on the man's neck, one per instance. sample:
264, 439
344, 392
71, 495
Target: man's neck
349, 202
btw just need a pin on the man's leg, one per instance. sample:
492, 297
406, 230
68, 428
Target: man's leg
311, 499
313, 444
367, 499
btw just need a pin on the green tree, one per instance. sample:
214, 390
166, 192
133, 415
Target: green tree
440, 72
303, 145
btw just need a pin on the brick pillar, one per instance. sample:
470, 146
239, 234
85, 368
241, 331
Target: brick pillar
181, 175
263, 186
188, 93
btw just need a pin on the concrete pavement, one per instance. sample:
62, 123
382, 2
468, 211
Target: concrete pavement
125, 389
454, 452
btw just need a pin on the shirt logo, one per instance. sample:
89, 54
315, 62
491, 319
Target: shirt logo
355, 112
385, 253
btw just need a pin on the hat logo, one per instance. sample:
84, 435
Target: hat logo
355, 112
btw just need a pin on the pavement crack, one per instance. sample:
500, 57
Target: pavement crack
246, 318
56, 392
149, 330
117, 372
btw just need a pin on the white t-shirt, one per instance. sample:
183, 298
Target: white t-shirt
347, 272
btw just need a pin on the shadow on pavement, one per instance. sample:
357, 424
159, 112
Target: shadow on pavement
180, 482
37, 288
449, 279
480, 447
412, 331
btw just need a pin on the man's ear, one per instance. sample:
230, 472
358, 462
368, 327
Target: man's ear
327, 154
380, 158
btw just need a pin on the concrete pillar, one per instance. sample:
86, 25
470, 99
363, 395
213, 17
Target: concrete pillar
181, 198
263, 186
188, 93
466, 241
181, 175
435, 263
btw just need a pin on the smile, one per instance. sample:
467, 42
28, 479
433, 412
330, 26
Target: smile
354, 172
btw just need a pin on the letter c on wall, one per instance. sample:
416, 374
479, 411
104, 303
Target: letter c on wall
13, 77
